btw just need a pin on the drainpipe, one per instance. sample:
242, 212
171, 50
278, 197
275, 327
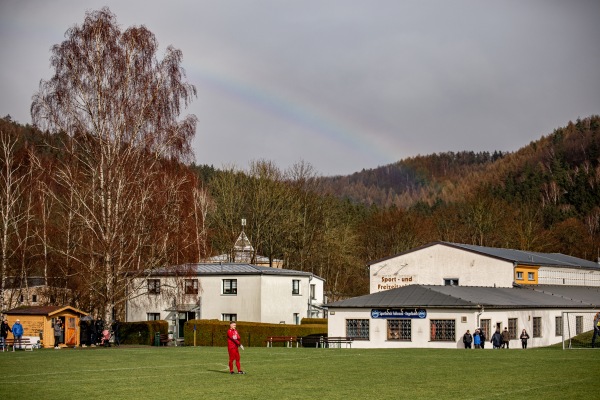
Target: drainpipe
479, 315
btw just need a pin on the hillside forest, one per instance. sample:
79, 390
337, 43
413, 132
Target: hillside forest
104, 188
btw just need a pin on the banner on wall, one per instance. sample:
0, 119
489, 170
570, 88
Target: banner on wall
418, 313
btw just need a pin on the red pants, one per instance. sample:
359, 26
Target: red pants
234, 355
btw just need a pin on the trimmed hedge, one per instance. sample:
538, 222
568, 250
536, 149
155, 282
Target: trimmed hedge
141, 332
314, 321
214, 332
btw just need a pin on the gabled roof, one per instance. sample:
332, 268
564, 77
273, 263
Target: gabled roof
521, 257
432, 296
209, 269
43, 310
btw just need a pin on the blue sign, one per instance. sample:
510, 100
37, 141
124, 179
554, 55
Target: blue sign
378, 313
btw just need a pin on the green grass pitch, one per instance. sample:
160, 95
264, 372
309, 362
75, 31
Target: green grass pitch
299, 373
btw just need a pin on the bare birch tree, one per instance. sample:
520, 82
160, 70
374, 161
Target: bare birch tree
119, 107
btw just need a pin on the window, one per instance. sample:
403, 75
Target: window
295, 286
153, 316
451, 282
154, 286
357, 329
530, 276
34, 298
519, 275
229, 287
229, 317
485, 327
512, 328
443, 330
399, 329
297, 318
578, 324
537, 326
191, 286
558, 329
21, 298
313, 291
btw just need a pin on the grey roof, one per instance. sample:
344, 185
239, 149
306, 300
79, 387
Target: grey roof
522, 257
224, 269
432, 296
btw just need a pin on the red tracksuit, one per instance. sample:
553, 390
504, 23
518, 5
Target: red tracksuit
233, 342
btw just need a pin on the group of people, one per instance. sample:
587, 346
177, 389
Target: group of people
499, 340
16, 330
477, 339
502, 340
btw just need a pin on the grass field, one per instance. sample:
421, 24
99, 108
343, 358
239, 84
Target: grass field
290, 373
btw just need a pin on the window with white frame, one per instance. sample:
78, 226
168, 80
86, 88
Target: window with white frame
295, 286
191, 286
229, 286
153, 316
530, 276
153, 286
486, 326
519, 275
358, 329
313, 291
229, 317
399, 329
451, 282
443, 330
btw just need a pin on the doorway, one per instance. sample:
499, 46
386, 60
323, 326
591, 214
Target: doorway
184, 317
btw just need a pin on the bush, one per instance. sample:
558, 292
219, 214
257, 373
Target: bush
314, 321
214, 332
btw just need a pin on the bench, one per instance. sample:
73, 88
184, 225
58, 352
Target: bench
24, 343
164, 339
336, 341
287, 340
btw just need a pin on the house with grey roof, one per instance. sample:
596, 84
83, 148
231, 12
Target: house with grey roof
437, 316
227, 292
445, 263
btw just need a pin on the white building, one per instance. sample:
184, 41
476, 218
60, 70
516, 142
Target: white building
227, 292
430, 296
443, 263
438, 316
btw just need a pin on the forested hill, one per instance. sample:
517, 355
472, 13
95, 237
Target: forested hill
544, 170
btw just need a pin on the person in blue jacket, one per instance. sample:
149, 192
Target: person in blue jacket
477, 339
17, 331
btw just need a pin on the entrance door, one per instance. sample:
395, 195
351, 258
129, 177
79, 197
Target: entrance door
70, 332
183, 318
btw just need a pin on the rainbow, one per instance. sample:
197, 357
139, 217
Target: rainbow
348, 132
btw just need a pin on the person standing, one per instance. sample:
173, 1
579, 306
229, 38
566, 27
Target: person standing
476, 339
233, 346
4, 329
467, 339
482, 337
505, 337
524, 336
496, 339
17, 331
57, 332
596, 329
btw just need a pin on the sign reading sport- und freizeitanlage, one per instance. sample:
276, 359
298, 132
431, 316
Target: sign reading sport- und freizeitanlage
399, 313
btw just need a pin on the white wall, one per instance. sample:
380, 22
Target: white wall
433, 264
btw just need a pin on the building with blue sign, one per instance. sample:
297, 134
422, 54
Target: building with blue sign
428, 316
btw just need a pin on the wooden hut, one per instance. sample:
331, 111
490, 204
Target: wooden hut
38, 323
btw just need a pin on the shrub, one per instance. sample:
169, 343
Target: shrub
141, 332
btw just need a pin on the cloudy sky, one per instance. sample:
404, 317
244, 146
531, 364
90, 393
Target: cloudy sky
345, 84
